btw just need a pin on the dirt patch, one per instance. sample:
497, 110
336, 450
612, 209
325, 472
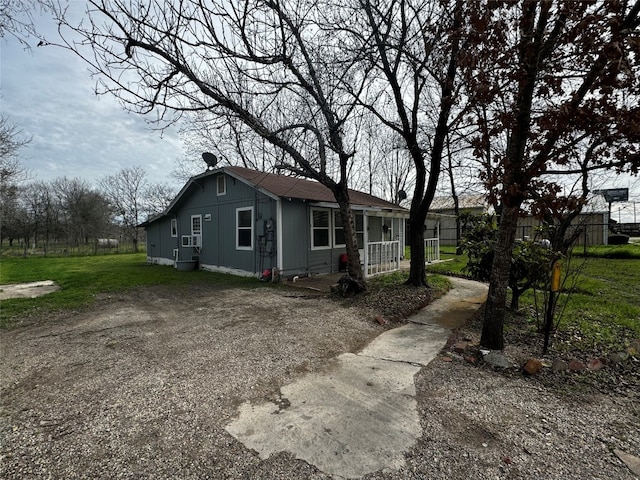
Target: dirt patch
141, 385
27, 290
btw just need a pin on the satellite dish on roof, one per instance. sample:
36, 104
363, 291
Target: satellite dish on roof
402, 195
210, 159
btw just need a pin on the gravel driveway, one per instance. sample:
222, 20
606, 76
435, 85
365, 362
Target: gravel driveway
142, 386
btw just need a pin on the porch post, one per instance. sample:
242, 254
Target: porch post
403, 236
365, 235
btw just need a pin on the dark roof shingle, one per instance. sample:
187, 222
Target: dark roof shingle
291, 187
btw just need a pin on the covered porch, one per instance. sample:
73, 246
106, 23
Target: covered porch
386, 257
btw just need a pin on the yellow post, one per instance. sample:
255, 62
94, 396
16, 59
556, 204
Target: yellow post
555, 277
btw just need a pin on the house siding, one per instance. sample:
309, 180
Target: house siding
300, 258
160, 243
219, 251
295, 237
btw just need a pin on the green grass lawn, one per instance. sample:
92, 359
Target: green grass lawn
601, 311
81, 278
451, 264
631, 250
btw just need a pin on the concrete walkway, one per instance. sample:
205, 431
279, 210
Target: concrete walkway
360, 414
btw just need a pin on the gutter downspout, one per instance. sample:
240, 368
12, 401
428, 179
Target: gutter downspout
279, 240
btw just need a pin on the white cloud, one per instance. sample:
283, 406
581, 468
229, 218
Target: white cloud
49, 94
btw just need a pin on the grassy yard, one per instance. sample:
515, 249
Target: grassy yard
602, 306
81, 278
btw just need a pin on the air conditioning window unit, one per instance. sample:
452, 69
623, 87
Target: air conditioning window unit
192, 241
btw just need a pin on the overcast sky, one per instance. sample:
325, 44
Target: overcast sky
49, 94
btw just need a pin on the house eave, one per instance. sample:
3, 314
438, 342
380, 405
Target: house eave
382, 211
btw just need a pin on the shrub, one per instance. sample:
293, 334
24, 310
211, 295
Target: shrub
618, 239
530, 260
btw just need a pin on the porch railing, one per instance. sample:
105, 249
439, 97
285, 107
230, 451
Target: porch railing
382, 257
431, 250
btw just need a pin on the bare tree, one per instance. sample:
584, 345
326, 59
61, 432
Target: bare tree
125, 193
267, 64
16, 19
547, 75
157, 197
230, 140
381, 165
12, 173
413, 50
84, 213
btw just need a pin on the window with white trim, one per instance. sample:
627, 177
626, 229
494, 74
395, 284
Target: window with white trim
320, 229
196, 224
244, 228
174, 227
338, 230
221, 183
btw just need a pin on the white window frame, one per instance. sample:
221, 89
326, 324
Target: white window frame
238, 228
186, 241
336, 214
328, 228
196, 231
220, 192
174, 227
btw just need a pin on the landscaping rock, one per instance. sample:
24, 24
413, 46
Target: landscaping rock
498, 360
533, 366
595, 364
559, 366
618, 357
576, 365
460, 347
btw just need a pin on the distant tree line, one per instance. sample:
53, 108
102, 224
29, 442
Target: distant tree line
69, 215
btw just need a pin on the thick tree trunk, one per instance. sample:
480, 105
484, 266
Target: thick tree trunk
495, 308
417, 271
350, 237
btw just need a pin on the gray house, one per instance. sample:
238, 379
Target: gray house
242, 221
